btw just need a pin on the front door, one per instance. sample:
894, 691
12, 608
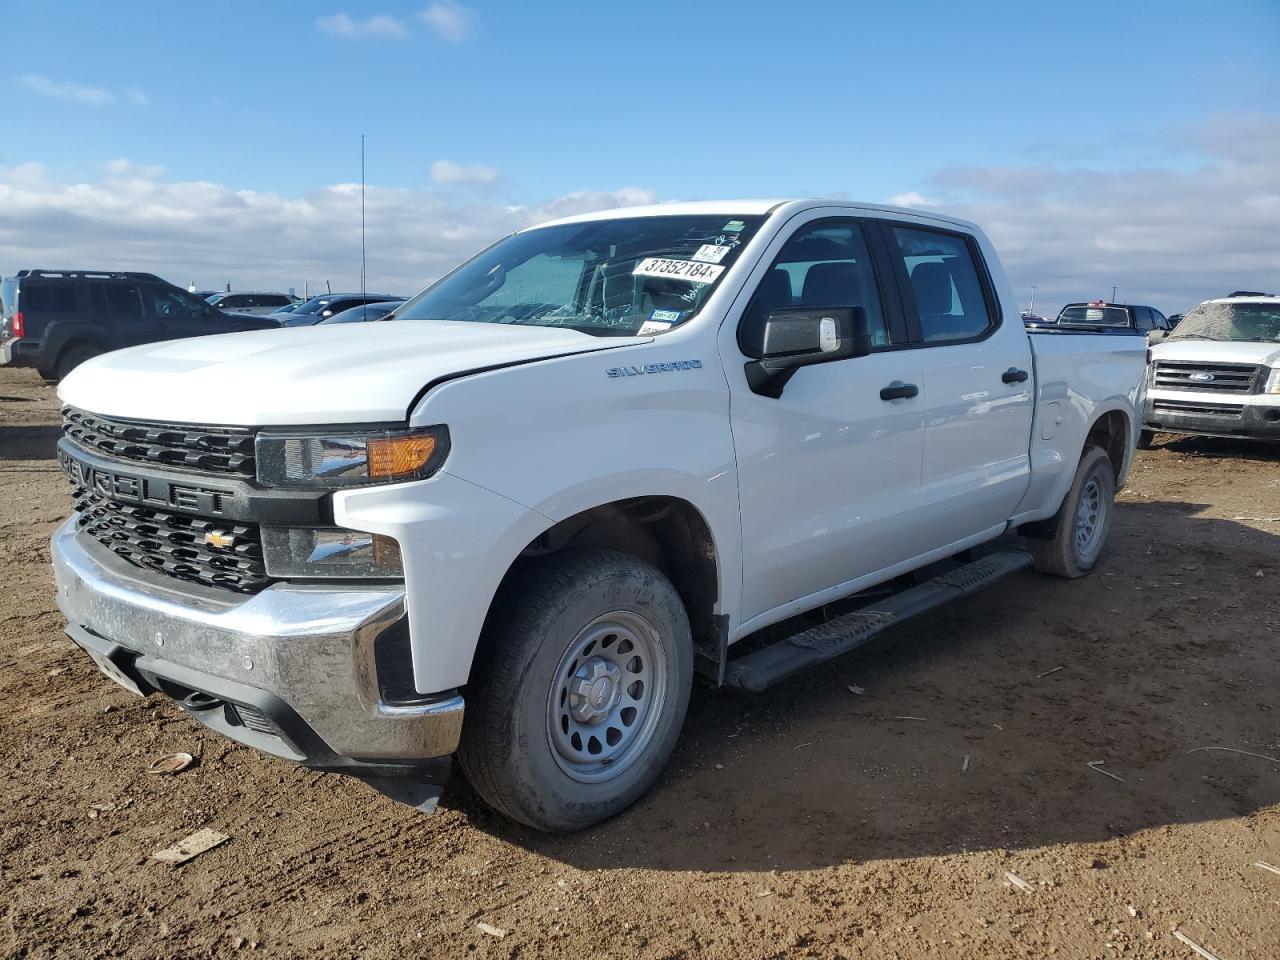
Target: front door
829, 472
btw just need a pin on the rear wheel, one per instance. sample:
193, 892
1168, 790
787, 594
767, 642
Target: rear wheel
1081, 526
73, 356
582, 690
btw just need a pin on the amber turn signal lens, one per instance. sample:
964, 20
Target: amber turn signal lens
399, 456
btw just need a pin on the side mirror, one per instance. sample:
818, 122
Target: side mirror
796, 337
1155, 336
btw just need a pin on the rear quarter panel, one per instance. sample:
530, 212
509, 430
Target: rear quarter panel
1080, 377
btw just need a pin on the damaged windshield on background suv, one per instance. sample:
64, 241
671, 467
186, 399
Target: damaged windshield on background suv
1231, 322
633, 276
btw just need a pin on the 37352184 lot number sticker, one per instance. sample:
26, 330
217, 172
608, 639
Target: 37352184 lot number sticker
678, 269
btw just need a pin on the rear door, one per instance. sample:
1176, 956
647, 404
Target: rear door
978, 393
828, 472
116, 307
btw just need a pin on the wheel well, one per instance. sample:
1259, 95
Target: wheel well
1111, 432
66, 347
667, 532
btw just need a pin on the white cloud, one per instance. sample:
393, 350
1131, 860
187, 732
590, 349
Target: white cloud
1200, 224
910, 199
63, 90
446, 171
132, 217
138, 97
380, 26
451, 21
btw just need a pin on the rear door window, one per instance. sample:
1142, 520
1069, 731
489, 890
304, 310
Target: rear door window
945, 283
124, 301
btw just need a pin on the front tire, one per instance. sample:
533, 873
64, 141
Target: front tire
580, 690
1083, 523
1146, 439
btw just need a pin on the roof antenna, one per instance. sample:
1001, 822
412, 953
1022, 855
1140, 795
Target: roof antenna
362, 248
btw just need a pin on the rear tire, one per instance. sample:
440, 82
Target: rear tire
72, 357
580, 690
1082, 524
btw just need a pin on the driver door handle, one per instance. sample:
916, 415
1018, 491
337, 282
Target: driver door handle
1014, 375
899, 391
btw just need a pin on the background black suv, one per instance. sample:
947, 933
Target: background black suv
1100, 314
54, 320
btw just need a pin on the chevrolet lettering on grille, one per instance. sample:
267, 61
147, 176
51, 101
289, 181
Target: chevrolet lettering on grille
147, 491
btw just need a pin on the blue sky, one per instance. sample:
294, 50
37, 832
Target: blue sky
525, 103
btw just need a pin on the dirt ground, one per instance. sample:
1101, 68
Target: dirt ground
812, 821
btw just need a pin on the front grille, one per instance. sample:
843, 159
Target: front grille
1222, 411
224, 450
174, 543
1215, 377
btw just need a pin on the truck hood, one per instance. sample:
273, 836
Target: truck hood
341, 373
1212, 351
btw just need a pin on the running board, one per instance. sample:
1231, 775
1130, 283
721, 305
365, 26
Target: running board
763, 668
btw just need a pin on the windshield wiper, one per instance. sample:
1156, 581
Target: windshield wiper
1197, 336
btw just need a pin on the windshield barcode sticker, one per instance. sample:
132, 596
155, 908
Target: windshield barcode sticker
678, 270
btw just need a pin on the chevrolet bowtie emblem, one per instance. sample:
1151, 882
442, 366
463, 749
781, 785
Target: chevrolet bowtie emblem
216, 538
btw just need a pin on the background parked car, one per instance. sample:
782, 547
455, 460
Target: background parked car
1100, 315
54, 320
256, 304
362, 314
322, 308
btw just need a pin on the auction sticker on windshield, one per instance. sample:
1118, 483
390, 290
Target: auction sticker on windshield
678, 269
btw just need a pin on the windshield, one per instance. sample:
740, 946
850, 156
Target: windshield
1230, 321
212, 298
312, 306
1095, 316
624, 277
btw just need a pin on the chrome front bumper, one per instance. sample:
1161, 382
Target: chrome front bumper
290, 671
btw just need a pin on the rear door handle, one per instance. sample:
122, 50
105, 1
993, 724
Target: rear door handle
1014, 375
899, 391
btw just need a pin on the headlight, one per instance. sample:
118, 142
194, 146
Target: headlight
1273, 381
350, 460
332, 552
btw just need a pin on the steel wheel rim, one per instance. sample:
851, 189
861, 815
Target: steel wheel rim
606, 697
1091, 515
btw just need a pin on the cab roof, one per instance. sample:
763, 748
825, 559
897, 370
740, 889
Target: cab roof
1249, 298
749, 208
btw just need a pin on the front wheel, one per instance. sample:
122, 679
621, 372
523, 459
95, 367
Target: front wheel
580, 690
1081, 526
1146, 439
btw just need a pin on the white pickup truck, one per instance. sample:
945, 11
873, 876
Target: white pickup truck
569, 475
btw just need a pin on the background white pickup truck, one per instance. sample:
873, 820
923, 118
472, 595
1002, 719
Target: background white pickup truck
598, 454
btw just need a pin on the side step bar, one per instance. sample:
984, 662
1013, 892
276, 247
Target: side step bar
761, 669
